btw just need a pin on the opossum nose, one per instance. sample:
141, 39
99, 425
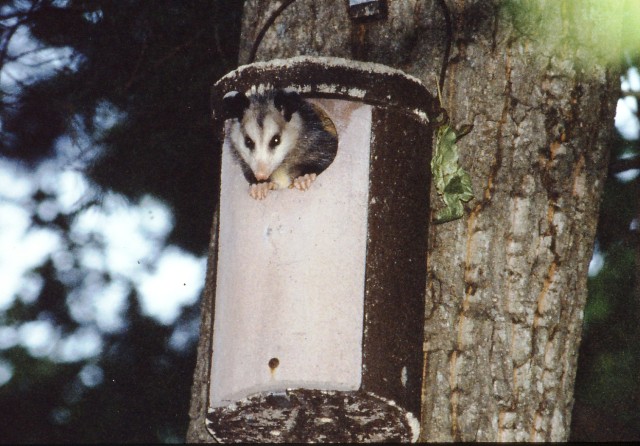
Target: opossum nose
261, 175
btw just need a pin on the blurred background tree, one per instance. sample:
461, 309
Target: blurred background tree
111, 98
608, 382
108, 184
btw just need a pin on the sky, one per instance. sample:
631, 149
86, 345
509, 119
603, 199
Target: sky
119, 238
626, 120
113, 236
125, 240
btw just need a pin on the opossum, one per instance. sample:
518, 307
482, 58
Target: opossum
279, 139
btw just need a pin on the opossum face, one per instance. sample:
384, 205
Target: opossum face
264, 130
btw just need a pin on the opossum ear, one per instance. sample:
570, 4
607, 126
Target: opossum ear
234, 104
288, 102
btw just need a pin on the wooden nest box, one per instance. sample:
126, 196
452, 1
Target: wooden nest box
319, 299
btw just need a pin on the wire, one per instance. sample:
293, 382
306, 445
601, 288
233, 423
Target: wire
265, 27
447, 49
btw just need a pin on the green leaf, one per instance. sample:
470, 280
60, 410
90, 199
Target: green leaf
452, 183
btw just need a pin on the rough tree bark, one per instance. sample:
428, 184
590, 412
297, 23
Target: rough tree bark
507, 283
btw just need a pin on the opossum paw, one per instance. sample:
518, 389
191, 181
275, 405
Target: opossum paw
259, 191
304, 182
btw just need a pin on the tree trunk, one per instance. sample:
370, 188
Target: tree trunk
506, 284
197, 432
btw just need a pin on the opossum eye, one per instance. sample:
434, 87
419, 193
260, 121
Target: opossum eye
274, 141
249, 142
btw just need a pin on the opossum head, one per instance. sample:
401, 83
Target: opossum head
264, 129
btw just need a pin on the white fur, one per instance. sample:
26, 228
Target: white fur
263, 160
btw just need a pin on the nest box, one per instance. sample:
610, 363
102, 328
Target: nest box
319, 295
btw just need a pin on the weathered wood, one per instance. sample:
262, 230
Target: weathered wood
506, 285
313, 416
282, 292
397, 219
333, 78
197, 432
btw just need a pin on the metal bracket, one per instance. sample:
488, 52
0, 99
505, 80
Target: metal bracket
367, 10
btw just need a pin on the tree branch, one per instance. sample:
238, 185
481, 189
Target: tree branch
136, 71
6, 38
624, 164
9, 32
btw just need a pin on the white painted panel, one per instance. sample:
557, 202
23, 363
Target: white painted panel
291, 268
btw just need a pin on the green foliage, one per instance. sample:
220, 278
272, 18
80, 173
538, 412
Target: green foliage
588, 43
526, 17
143, 396
146, 66
151, 63
155, 62
609, 359
452, 183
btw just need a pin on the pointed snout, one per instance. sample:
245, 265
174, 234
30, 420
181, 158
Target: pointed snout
262, 172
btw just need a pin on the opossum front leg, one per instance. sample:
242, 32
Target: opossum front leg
304, 182
259, 191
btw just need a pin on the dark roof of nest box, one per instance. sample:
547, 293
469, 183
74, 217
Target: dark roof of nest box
336, 78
